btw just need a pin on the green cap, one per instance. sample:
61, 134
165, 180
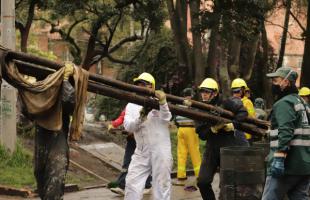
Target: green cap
284, 72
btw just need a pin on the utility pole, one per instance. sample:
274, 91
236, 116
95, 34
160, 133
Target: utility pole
8, 93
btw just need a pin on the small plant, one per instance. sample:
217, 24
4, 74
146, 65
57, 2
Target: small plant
16, 168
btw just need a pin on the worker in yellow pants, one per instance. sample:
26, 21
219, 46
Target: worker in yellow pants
188, 142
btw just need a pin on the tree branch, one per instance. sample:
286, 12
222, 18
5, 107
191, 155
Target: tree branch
109, 41
290, 34
74, 24
19, 26
298, 22
123, 41
116, 60
31, 14
75, 50
17, 3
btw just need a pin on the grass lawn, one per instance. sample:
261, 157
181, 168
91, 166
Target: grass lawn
16, 169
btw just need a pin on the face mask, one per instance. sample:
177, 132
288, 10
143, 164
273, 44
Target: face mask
276, 89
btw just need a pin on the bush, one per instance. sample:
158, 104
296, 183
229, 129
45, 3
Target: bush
109, 107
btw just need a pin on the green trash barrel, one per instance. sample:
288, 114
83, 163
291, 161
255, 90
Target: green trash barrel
242, 173
265, 146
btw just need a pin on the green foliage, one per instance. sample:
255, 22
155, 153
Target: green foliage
108, 106
152, 10
32, 49
243, 18
158, 57
102, 19
16, 168
20, 157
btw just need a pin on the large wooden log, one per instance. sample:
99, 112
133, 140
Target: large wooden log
31, 60
187, 112
106, 90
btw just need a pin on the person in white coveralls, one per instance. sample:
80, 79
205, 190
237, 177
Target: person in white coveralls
153, 146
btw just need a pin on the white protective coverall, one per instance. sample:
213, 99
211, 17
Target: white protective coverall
152, 154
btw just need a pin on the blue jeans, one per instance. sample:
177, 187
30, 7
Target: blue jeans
295, 186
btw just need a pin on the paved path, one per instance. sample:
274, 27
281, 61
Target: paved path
178, 193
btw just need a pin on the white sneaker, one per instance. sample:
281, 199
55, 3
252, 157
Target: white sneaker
147, 191
118, 190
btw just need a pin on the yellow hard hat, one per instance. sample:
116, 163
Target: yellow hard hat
304, 91
145, 77
209, 83
238, 83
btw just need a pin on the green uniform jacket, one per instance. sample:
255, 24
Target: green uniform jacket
290, 132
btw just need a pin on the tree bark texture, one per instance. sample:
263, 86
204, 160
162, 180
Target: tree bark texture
223, 70
178, 20
213, 53
251, 48
284, 34
234, 57
197, 45
305, 68
266, 82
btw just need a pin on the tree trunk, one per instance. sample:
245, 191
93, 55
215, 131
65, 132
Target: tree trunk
91, 45
223, 70
178, 21
305, 68
24, 40
251, 49
174, 22
197, 46
266, 82
181, 7
234, 57
284, 34
213, 53
24, 30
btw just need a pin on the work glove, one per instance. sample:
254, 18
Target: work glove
229, 127
144, 112
161, 97
277, 165
217, 127
110, 127
187, 103
69, 69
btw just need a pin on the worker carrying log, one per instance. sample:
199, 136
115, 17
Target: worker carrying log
289, 158
40, 68
217, 136
51, 158
118, 186
241, 90
153, 147
49, 103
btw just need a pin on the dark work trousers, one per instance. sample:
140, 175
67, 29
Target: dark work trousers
51, 163
129, 151
211, 161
